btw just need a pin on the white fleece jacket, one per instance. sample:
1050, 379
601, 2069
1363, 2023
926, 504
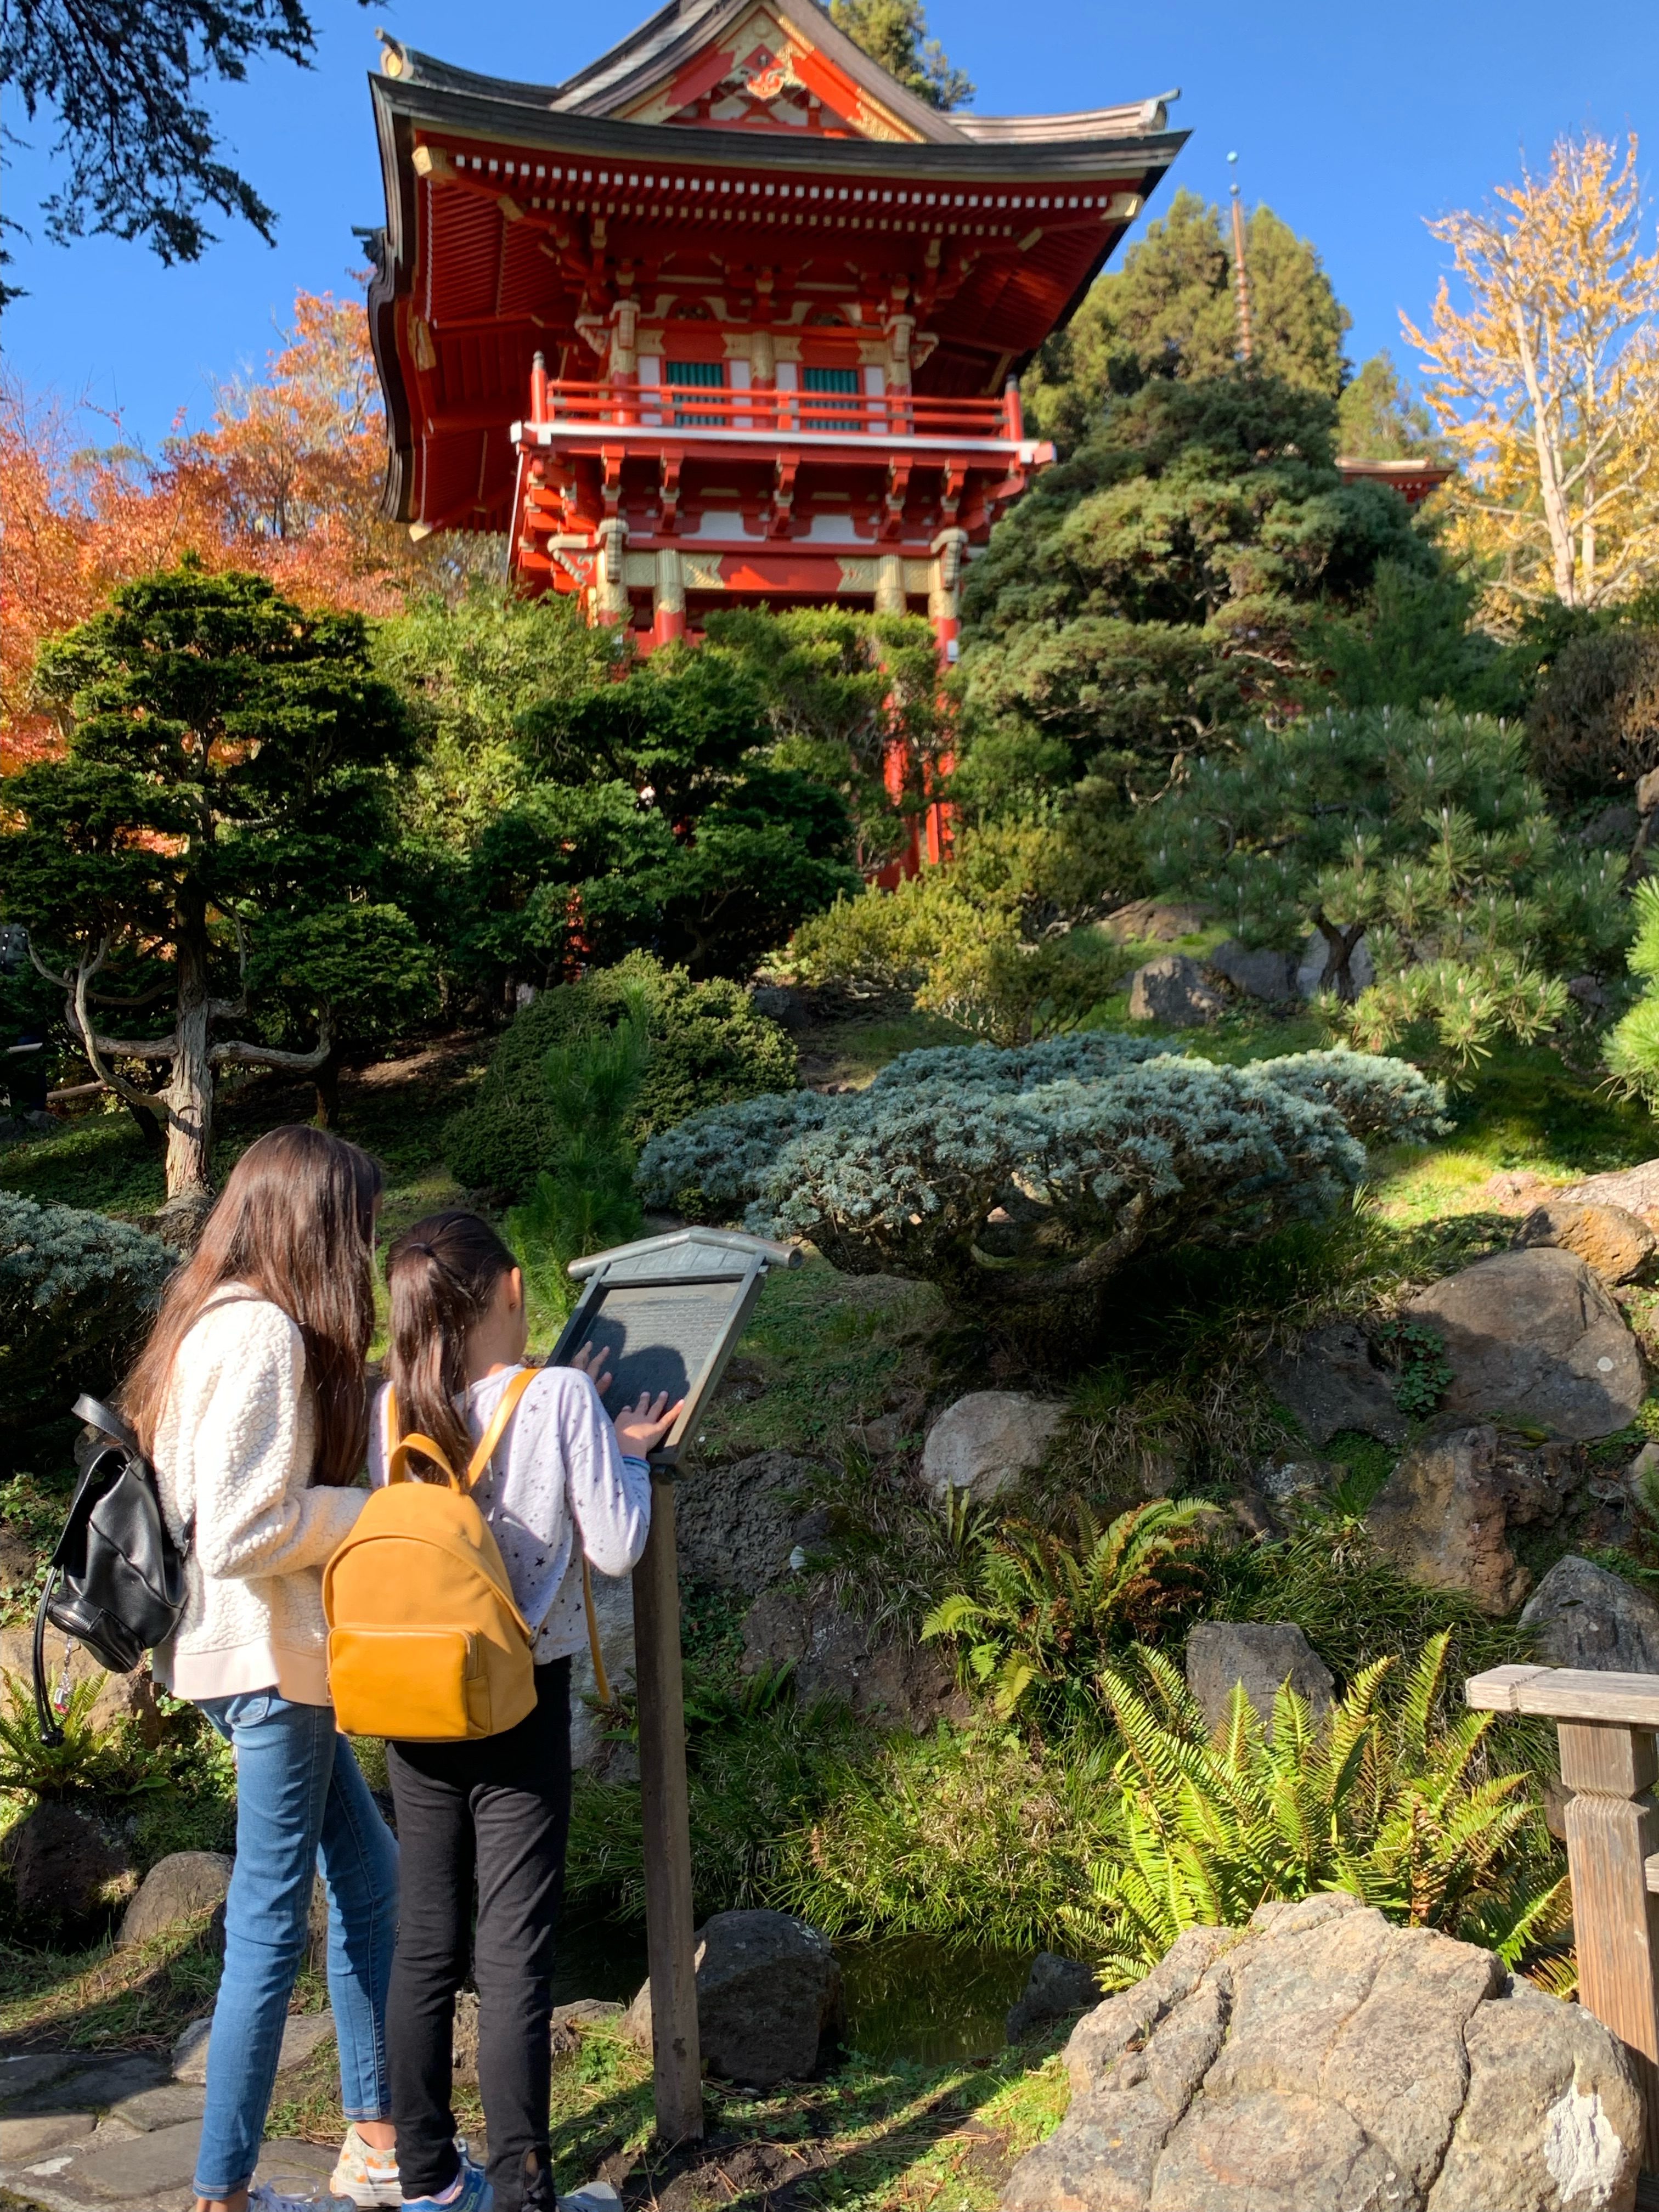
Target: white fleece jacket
234, 1453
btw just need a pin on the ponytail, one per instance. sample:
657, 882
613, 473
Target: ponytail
442, 1275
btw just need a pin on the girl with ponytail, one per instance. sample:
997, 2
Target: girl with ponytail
563, 1482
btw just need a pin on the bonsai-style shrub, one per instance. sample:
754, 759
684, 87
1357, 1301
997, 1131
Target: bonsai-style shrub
76, 1292
224, 794
969, 941
707, 1047
1036, 1174
1420, 835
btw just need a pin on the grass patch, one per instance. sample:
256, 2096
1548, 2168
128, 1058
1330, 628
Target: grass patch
106, 1999
824, 1354
869, 2137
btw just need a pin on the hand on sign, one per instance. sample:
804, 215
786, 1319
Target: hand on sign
590, 1361
639, 1427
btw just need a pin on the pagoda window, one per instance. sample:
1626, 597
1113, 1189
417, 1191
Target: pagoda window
706, 375
838, 416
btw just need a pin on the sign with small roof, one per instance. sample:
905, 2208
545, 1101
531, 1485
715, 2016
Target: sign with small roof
669, 1311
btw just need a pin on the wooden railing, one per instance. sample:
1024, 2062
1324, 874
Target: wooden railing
764, 408
1605, 1727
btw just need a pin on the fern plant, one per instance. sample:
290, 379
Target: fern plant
1046, 1610
93, 1759
1378, 1799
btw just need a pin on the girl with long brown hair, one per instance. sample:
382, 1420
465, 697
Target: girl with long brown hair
563, 1481
249, 1400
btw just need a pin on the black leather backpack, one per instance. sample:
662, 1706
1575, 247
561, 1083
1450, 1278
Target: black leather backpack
116, 1581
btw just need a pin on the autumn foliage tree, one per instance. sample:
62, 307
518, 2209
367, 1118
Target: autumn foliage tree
284, 483
1546, 382
287, 477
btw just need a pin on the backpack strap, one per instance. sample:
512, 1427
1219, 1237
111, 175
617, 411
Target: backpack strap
416, 1445
601, 1684
476, 1466
492, 1436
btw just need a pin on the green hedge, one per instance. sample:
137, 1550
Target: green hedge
708, 1047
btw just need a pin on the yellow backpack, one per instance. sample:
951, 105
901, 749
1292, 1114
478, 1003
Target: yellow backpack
425, 1641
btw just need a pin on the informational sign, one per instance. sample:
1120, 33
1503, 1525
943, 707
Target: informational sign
668, 1311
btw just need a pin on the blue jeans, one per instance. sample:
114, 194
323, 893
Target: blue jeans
301, 1804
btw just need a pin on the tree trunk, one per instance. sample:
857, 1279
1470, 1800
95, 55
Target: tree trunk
190, 1093
326, 1084
1341, 946
150, 1129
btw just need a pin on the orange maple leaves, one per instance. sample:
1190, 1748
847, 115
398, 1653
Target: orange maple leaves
286, 482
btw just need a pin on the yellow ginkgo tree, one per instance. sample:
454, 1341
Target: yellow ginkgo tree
1545, 383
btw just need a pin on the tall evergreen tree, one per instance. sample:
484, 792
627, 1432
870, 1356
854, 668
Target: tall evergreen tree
894, 33
1169, 310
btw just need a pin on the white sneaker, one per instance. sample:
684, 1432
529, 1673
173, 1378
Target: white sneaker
592, 2197
368, 2176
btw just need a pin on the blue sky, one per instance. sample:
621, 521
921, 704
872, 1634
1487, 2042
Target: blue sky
1352, 123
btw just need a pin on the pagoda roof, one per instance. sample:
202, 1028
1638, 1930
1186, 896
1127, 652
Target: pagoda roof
657, 58
508, 215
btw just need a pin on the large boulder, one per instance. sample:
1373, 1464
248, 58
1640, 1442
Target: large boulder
1636, 1189
176, 1888
1154, 921
1333, 1381
1313, 956
70, 1873
1054, 1986
736, 1525
770, 2005
1174, 989
1263, 1655
1322, 2060
886, 1681
1533, 1338
1612, 1240
985, 1442
1444, 1513
1581, 1616
1255, 971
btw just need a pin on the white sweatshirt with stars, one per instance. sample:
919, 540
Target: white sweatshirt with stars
556, 1486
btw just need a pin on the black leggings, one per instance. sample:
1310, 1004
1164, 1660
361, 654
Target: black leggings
498, 1810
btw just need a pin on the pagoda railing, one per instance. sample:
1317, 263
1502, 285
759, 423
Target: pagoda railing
774, 411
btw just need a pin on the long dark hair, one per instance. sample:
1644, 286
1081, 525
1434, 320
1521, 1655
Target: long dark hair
442, 1275
295, 1222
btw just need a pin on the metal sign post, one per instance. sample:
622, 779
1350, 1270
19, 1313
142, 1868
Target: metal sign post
669, 1309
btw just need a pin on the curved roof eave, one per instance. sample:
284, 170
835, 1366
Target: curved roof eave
515, 121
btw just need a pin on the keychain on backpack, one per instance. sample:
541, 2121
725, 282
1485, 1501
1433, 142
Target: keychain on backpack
61, 1695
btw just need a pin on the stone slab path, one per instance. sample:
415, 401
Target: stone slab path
118, 2131
91, 2131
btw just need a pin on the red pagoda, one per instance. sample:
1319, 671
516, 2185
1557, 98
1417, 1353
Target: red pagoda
730, 315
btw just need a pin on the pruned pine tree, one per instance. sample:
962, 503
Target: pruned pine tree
225, 772
1420, 836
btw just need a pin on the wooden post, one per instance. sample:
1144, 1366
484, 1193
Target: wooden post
676, 2052
1612, 1830
1605, 1727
